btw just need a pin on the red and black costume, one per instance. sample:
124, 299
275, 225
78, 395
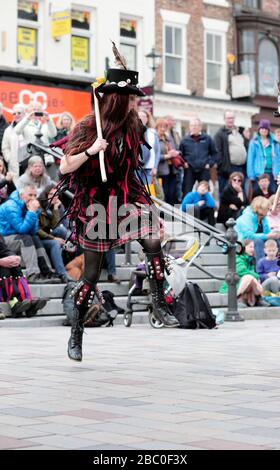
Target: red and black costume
123, 190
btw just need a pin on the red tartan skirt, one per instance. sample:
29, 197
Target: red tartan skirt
141, 221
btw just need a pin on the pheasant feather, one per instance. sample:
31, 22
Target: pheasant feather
119, 59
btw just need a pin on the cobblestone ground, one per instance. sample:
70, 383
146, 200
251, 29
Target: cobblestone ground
140, 388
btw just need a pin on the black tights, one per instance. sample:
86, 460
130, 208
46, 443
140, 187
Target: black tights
94, 259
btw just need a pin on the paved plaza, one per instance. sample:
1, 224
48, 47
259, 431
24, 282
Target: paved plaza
140, 388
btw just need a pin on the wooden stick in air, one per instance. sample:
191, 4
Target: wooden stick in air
276, 198
99, 135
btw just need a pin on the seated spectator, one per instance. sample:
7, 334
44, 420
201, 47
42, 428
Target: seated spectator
249, 289
200, 203
274, 216
65, 124
36, 120
35, 174
19, 226
14, 145
233, 198
6, 182
14, 288
268, 268
263, 188
253, 225
48, 219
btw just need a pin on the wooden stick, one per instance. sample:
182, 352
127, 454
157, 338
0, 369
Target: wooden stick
276, 199
99, 135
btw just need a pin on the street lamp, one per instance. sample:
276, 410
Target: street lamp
154, 61
231, 58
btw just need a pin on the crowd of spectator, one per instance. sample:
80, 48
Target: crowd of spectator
244, 164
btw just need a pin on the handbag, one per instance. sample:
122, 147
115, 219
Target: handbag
178, 161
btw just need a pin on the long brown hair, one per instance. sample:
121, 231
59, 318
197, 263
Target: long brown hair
115, 117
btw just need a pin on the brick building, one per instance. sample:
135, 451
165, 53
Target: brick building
196, 39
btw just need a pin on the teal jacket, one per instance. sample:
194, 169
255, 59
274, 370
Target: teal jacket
256, 160
247, 226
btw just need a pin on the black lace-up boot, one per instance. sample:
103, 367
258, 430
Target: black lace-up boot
156, 264
83, 295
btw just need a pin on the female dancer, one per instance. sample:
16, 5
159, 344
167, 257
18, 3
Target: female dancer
95, 204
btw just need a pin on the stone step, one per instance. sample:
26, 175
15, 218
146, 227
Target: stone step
141, 317
55, 307
55, 291
208, 259
212, 248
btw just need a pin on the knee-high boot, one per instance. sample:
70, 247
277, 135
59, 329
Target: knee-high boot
83, 295
156, 266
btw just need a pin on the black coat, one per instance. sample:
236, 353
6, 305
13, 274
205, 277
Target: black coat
221, 141
258, 192
229, 196
3, 125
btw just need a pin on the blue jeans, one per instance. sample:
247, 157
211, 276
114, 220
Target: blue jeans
53, 249
60, 231
110, 257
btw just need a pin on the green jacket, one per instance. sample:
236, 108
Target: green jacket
244, 265
46, 224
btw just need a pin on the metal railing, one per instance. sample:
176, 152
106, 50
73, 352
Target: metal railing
227, 240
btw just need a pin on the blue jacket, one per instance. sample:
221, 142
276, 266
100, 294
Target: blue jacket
14, 219
247, 226
198, 153
191, 199
256, 161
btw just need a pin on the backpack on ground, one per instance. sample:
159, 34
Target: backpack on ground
192, 308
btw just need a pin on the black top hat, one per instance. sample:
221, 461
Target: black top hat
121, 81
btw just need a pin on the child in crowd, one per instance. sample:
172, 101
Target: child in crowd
249, 289
268, 268
263, 187
200, 203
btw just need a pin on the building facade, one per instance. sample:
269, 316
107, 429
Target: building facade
64, 44
257, 24
197, 41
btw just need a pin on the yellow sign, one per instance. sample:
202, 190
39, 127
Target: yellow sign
61, 23
27, 46
80, 54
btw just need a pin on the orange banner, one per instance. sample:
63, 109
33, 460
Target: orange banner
54, 100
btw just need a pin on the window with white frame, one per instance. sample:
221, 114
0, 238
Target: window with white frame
214, 62
80, 40
28, 24
173, 54
215, 57
128, 41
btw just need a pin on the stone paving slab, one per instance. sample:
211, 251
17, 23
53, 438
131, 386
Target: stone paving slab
140, 388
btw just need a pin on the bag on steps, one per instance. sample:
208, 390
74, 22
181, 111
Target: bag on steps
192, 308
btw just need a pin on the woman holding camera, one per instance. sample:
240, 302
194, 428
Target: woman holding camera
36, 120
